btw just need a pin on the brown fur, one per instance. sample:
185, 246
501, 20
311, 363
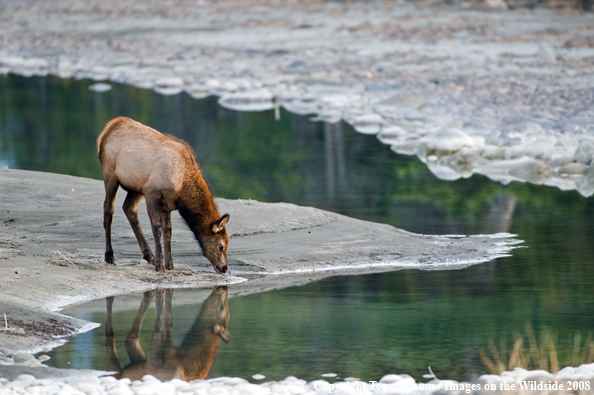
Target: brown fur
191, 360
162, 169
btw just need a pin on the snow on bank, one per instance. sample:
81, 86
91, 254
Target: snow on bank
517, 381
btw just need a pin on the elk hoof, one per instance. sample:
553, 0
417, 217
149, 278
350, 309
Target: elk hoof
109, 258
149, 258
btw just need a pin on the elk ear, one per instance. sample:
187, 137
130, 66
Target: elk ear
219, 224
222, 332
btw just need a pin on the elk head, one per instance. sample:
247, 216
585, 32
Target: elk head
214, 244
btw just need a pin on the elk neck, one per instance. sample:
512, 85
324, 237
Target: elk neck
197, 207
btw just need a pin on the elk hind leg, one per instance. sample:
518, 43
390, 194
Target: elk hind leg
111, 188
132, 343
130, 207
113, 363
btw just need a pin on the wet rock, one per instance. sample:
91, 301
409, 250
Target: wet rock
253, 100
391, 135
572, 170
464, 162
442, 172
521, 169
540, 148
24, 358
367, 123
585, 150
100, 87
169, 85
300, 106
99, 73
406, 148
585, 186
444, 142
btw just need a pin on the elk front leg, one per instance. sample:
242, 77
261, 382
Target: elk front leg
111, 188
168, 259
153, 206
131, 209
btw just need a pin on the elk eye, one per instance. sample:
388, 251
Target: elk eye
221, 247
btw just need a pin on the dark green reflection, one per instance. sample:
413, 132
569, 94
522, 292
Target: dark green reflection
362, 326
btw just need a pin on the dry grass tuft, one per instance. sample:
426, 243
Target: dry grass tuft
540, 355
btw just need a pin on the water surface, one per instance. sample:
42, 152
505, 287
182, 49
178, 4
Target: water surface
361, 326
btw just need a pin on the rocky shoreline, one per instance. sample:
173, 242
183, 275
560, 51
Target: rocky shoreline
518, 381
469, 90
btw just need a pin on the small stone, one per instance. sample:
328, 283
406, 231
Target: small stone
26, 377
177, 383
22, 358
108, 379
235, 381
120, 390
258, 376
89, 388
155, 388
86, 380
278, 389
251, 389
44, 358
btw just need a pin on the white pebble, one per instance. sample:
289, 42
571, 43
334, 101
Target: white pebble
26, 377
278, 389
86, 380
89, 388
258, 376
177, 383
120, 390
252, 389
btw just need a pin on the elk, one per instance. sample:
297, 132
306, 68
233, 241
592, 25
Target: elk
162, 169
191, 360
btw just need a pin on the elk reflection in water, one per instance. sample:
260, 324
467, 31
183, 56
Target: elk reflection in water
191, 360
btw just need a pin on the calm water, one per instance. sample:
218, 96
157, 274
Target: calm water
361, 326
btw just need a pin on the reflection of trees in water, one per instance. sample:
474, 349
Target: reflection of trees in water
250, 155
336, 177
191, 360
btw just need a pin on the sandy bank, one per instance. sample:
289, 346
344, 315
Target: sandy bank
51, 252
